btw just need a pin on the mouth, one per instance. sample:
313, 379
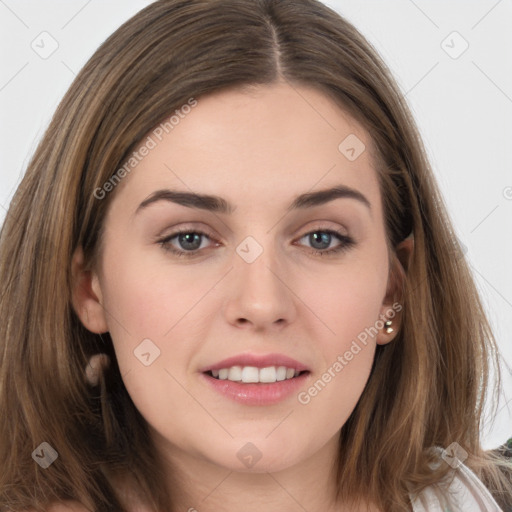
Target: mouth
256, 379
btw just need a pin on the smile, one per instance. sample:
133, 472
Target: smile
252, 374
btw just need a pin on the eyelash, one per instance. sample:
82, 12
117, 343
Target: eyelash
346, 242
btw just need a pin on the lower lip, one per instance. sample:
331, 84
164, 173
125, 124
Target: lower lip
257, 393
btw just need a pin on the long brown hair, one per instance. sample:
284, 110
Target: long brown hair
435, 372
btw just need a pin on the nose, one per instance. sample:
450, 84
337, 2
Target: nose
261, 294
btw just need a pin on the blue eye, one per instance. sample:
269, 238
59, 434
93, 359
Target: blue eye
191, 242
325, 238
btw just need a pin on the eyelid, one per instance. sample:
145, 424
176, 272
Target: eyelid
189, 228
325, 225
186, 228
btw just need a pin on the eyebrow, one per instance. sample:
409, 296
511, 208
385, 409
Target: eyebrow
218, 204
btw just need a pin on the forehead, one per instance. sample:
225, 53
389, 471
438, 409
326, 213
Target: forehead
256, 146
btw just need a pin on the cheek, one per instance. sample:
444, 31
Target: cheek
348, 304
148, 299
346, 298
169, 305
160, 304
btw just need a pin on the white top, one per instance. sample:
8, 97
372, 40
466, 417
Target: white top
462, 491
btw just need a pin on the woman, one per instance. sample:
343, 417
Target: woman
258, 367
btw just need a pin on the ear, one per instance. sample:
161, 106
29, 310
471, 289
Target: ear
86, 295
391, 310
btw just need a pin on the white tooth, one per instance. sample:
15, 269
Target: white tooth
235, 373
297, 373
223, 374
215, 373
268, 374
250, 374
290, 372
281, 373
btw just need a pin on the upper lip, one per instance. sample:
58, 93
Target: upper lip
258, 361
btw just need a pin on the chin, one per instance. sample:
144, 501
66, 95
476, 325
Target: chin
256, 455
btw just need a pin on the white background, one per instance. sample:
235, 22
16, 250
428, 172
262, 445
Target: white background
463, 107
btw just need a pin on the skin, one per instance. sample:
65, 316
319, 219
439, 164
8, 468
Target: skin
258, 150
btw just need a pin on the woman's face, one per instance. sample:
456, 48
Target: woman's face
250, 289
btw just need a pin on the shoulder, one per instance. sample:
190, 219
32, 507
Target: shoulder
461, 490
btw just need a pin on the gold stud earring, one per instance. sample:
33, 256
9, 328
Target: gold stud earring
387, 326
